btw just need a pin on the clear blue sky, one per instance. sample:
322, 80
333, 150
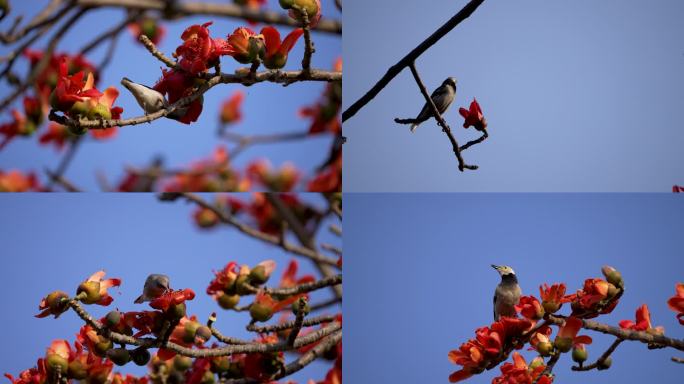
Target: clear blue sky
56, 241
419, 281
268, 108
579, 95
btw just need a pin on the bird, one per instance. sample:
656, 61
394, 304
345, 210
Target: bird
150, 100
507, 293
443, 96
155, 286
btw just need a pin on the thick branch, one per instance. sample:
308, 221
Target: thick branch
266, 76
290, 324
209, 352
215, 9
407, 60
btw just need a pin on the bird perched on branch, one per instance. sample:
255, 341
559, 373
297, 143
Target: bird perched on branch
443, 96
155, 286
150, 100
507, 294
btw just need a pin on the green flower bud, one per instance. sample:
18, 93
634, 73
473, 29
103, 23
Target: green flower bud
102, 347
119, 356
77, 370
579, 355
220, 364
258, 276
260, 312
203, 333
176, 311
605, 364
190, 331
612, 276
227, 301
100, 111
182, 363
56, 362
80, 108
208, 378
240, 286
550, 307
563, 344
301, 305
112, 318
140, 356
545, 348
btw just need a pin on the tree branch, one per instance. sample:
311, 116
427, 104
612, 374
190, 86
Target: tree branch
599, 363
411, 57
290, 324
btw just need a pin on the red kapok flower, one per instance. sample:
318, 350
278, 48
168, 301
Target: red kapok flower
19, 126
596, 297
245, 45
289, 278
473, 116
567, 335
172, 298
71, 89
676, 302
552, 297
530, 308
643, 322
677, 189
199, 51
149, 27
57, 134
231, 108
520, 373
177, 84
94, 289
282, 180
223, 279
15, 181
276, 53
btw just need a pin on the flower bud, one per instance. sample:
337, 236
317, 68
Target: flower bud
119, 356
612, 275
203, 334
563, 344
190, 331
301, 306
536, 362
77, 370
140, 356
241, 285
176, 311
551, 306
182, 363
56, 362
544, 348
100, 111
208, 378
260, 312
112, 318
220, 364
258, 276
605, 364
102, 346
55, 302
579, 354
227, 301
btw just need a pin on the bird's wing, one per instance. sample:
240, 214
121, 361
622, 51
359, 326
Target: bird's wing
494, 306
443, 99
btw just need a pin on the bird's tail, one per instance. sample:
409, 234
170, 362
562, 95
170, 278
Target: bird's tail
414, 122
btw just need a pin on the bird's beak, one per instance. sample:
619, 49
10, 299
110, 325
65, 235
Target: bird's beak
496, 267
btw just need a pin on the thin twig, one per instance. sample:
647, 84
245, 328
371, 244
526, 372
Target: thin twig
65, 162
290, 324
598, 364
407, 60
298, 323
469, 144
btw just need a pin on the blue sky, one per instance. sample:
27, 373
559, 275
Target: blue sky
419, 281
579, 96
268, 108
57, 241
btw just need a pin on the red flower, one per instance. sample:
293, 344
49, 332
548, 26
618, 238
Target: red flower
676, 302
473, 117
149, 27
520, 373
19, 126
177, 84
677, 189
475, 354
282, 180
329, 179
289, 278
530, 308
643, 322
199, 51
593, 299
277, 51
567, 335
172, 298
245, 45
223, 279
324, 114
552, 297
56, 134
72, 88
261, 366
205, 217
15, 181
230, 109
94, 289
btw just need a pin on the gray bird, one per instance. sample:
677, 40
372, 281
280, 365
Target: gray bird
507, 294
443, 96
155, 286
150, 100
